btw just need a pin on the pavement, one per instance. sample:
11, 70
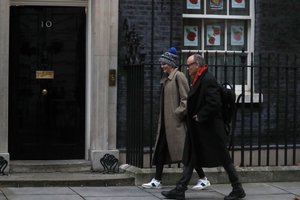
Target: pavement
75, 181
254, 191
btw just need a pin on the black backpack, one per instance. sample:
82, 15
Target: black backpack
228, 98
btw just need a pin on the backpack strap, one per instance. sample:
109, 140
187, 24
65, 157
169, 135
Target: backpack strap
233, 124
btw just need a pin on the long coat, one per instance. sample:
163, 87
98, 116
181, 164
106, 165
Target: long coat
206, 139
173, 105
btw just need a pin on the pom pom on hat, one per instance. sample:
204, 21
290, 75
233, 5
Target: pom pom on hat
172, 50
169, 57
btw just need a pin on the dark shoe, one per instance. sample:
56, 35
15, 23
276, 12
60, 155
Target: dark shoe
237, 193
176, 193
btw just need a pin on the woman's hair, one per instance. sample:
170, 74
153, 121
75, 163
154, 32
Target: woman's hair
199, 59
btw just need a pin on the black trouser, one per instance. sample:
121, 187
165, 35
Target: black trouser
188, 172
200, 172
161, 153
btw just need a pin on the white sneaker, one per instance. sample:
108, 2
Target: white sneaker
153, 184
202, 183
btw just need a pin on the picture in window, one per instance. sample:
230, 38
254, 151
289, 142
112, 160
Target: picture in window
237, 35
238, 4
191, 35
216, 4
213, 35
193, 4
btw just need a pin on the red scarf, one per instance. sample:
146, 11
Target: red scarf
200, 71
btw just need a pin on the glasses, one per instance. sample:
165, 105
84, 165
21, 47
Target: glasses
189, 65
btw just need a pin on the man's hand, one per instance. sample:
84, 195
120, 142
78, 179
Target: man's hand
195, 117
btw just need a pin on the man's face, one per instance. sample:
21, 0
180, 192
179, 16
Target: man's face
192, 67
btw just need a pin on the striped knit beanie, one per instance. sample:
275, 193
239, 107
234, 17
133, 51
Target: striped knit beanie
169, 57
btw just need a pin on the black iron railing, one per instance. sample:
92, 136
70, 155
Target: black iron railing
266, 130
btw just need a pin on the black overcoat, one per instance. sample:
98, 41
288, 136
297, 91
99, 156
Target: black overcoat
206, 138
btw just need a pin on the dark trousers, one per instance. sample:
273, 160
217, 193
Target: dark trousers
200, 172
188, 172
162, 153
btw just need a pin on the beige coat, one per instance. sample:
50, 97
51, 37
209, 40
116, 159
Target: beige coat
175, 90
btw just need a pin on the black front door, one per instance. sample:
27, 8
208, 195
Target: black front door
47, 83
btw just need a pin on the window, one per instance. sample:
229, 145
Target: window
222, 26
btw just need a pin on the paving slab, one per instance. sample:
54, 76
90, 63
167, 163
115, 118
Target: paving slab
125, 191
250, 188
205, 194
121, 198
270, 197
41, 193
190, 194
263, 188
286, 185
37, 191
291, 187
45, 197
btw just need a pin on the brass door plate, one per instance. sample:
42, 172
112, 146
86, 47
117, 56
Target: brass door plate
112, 77
42, 74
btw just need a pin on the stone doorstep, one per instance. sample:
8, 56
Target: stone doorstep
47, 166
218, 175
65, 179
40, 173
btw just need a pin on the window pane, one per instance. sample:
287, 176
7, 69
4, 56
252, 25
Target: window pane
214, 35
216, 7
193, 6
239, 7
226, 67
237, 35
192, 34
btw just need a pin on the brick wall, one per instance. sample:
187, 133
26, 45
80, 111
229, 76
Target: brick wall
277, 38
277, 27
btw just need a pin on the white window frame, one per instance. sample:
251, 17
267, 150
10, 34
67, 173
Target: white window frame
250, 40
